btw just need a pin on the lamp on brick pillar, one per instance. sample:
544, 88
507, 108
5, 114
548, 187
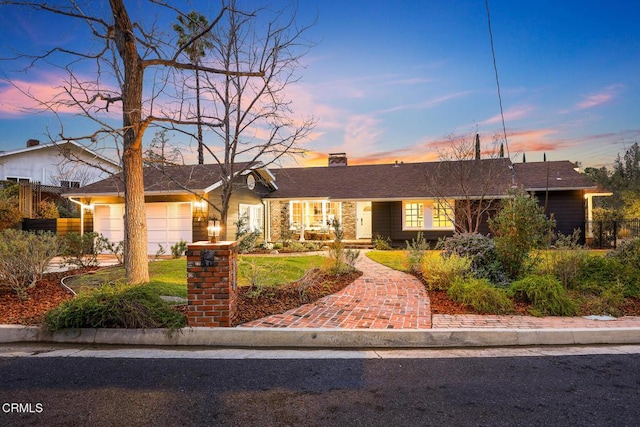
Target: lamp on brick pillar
213, 230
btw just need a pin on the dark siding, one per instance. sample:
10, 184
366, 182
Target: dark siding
199, 230
567, 208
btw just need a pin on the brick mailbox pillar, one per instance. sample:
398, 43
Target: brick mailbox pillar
211, 283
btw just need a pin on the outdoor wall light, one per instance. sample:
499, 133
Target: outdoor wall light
213, 230
198, 210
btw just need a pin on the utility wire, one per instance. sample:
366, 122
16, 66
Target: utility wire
495, 68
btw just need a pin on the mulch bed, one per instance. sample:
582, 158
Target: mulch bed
315, 285
44, 296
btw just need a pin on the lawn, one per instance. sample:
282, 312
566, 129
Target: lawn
278, 270
393, 259
169, 277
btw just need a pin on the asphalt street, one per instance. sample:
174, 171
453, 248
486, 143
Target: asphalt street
46, 386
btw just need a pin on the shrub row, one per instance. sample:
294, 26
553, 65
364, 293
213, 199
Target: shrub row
565, 281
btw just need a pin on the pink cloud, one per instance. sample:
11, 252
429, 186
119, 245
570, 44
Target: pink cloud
48, 93
597, 99
511, 114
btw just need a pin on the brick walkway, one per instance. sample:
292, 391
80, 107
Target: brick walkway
381, 298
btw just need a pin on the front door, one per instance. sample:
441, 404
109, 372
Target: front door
363, 219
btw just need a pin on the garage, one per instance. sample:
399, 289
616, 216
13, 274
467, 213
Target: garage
167, 224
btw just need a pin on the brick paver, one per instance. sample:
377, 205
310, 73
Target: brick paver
381, 298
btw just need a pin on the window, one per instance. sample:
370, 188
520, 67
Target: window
314, 215
253, 216
427, 215
442, 215
18, 180
414, 215
334, 211
296, 214
69, 184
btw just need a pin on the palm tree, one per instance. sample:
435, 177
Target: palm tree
190, 27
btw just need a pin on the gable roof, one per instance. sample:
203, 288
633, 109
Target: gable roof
554, 176
58, 146
167, 180
394, 181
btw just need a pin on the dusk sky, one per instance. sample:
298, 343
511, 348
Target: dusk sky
396, 80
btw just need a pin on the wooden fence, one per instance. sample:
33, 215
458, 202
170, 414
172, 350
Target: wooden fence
59, 226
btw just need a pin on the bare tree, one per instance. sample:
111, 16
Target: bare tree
161, 153
256, 116
123, 56
468, 181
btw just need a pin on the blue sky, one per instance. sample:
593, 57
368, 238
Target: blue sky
399, 80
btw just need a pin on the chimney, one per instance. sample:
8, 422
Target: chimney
337, 159
32, 143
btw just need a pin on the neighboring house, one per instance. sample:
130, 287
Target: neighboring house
178, 202
52, 169
55, 164
395, 201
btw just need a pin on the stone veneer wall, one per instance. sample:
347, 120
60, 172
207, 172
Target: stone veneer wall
211, 283
349, 218
275, 219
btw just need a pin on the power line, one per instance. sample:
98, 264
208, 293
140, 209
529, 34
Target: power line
495, 68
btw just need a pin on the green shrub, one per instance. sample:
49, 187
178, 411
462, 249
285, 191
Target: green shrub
416, 250
247, 239
115, 306
609, 302
440, 272
256, 274
546, 295
480, 295
341, 260
628, 253
178, 249
10, 213
481, 251
81, 250
102, 244
24, 258
381, 243
46, 209
296, 246
519, 227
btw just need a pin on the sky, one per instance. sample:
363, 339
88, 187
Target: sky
401, 80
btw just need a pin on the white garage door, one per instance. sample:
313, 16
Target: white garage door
167, 224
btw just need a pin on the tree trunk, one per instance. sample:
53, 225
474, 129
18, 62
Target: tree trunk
200, 142
135, 221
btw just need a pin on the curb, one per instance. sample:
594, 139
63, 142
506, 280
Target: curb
325, 338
